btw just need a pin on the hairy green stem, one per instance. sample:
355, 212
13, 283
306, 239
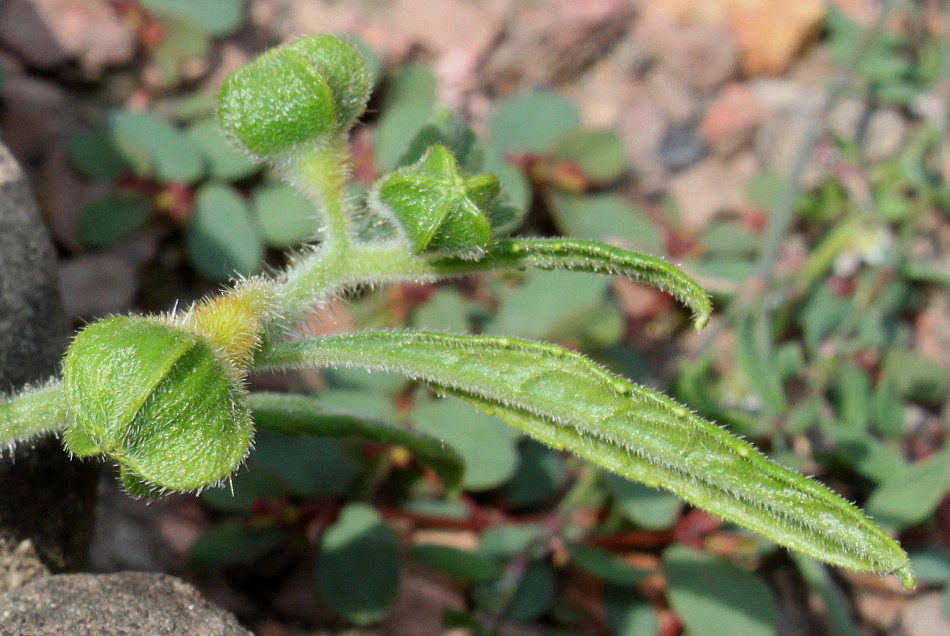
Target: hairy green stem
321, 173
33, 412
326, 271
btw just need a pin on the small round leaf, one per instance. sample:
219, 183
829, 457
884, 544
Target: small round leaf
358, 566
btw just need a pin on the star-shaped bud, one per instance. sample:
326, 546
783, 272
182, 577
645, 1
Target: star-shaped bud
440, 210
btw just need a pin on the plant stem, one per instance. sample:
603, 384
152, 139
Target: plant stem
32, 413
321, 173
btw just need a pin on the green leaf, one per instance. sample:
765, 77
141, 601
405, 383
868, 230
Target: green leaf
604, 565
599, 153
916, 377
358, 566
608, 218
94, 154
514, 184
531, 598
108, 221
756, 359
888, 409
446, 310
488, 448
224, 160
243, 488
447, 129
461, 564
730, 239
535, 593
932, 565
154, 148
183, 41
866, 455
765, 188
532, 122
310, 467
222, 240
539, 474
284, 215
217, 17
584, 256
298, 415
628, 613
837, 606
911, 495
563, 399
853, 393
647, 507
505, 542
233, 543
550, 306
714, 598
367, 404
407, 107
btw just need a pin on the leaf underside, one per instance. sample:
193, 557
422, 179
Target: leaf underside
298, 415
570, 402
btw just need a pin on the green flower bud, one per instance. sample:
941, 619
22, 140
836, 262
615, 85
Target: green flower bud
440, 210
294, 95
160, 400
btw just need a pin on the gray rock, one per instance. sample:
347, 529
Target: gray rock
681, 147
45, 498
127, 604
37, 115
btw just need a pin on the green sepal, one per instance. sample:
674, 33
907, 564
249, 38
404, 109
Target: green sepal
440, 210
159, 400
343, 68
446, 128
294, 95
136, 486
80, 443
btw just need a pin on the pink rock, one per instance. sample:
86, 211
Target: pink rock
731, 120
446, 25
712, 187
704, 55
49, 33
97, 285
641, 126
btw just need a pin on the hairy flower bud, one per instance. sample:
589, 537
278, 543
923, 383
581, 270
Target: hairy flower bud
159, 398
440, 210
294, 95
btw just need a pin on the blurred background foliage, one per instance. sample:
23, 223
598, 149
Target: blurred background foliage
791, 156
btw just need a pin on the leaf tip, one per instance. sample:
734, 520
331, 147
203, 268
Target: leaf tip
905, 574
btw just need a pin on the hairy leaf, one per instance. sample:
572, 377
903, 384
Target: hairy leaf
589, 256
298, 415
568, 401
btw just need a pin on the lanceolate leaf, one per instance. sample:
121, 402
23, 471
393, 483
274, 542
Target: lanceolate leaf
298, 415
588, 256
568, 401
